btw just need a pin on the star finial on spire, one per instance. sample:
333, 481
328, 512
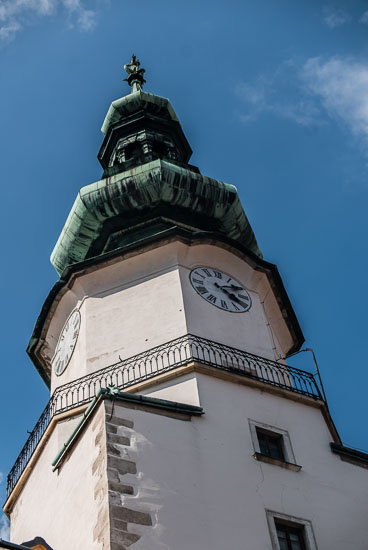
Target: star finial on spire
135, 74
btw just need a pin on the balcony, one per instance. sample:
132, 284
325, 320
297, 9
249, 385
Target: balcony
154, 362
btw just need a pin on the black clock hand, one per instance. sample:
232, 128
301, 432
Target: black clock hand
230, 294
234, 287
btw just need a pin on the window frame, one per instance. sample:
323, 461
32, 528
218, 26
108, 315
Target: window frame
275, 518
289, 457
288, 530
267, 437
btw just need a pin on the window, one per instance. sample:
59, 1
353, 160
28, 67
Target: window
159, 148
290, 533
133, 151
290, 538
272, 445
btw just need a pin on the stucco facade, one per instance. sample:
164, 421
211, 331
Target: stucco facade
147, 478
140, 302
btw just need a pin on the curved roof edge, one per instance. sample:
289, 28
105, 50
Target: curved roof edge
134, 102
147, 187
174, 233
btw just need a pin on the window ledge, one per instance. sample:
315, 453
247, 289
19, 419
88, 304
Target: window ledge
277, 462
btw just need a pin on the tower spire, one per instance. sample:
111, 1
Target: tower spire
135, 74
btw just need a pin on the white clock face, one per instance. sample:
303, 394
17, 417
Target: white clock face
220, 289
66, 344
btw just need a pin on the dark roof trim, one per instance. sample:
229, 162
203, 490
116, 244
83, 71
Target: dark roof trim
38, 541
12, 546
187, 236
350, 455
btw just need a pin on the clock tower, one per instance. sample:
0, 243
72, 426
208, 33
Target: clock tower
175, 420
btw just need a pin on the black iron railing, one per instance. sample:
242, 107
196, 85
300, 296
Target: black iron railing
158, 360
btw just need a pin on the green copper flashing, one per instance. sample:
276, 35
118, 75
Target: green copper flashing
132, 398
143, 191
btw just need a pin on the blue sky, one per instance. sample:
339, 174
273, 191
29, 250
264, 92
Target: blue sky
273, 97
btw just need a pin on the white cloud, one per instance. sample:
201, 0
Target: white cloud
341, 84
4, 523
335, 17
4, 527
87, 20
311, 94
15, 14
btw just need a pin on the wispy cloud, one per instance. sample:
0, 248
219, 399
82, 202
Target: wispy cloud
341, 84
335, 17
364, 18
15, 14
4, 527
319, 90
279, 94
4, 523
85, 19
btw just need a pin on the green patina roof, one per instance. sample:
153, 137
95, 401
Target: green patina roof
144, 189
134, 102
152, 185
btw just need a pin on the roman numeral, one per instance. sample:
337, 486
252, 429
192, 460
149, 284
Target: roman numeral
198, 274
207, 272
243, 304
217, 274
198, 281
236, 307
211, 298
243, 297
224, 304
59, 366
202, 289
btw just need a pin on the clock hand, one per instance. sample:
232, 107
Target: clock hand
230, 294
234, 287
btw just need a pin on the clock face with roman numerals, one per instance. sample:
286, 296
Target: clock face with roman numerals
220, 289
66, 344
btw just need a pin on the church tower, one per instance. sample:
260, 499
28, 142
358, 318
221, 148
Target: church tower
175, 420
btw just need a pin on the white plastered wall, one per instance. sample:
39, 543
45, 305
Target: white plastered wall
199, 480
147, 300
60, 506
205, 490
